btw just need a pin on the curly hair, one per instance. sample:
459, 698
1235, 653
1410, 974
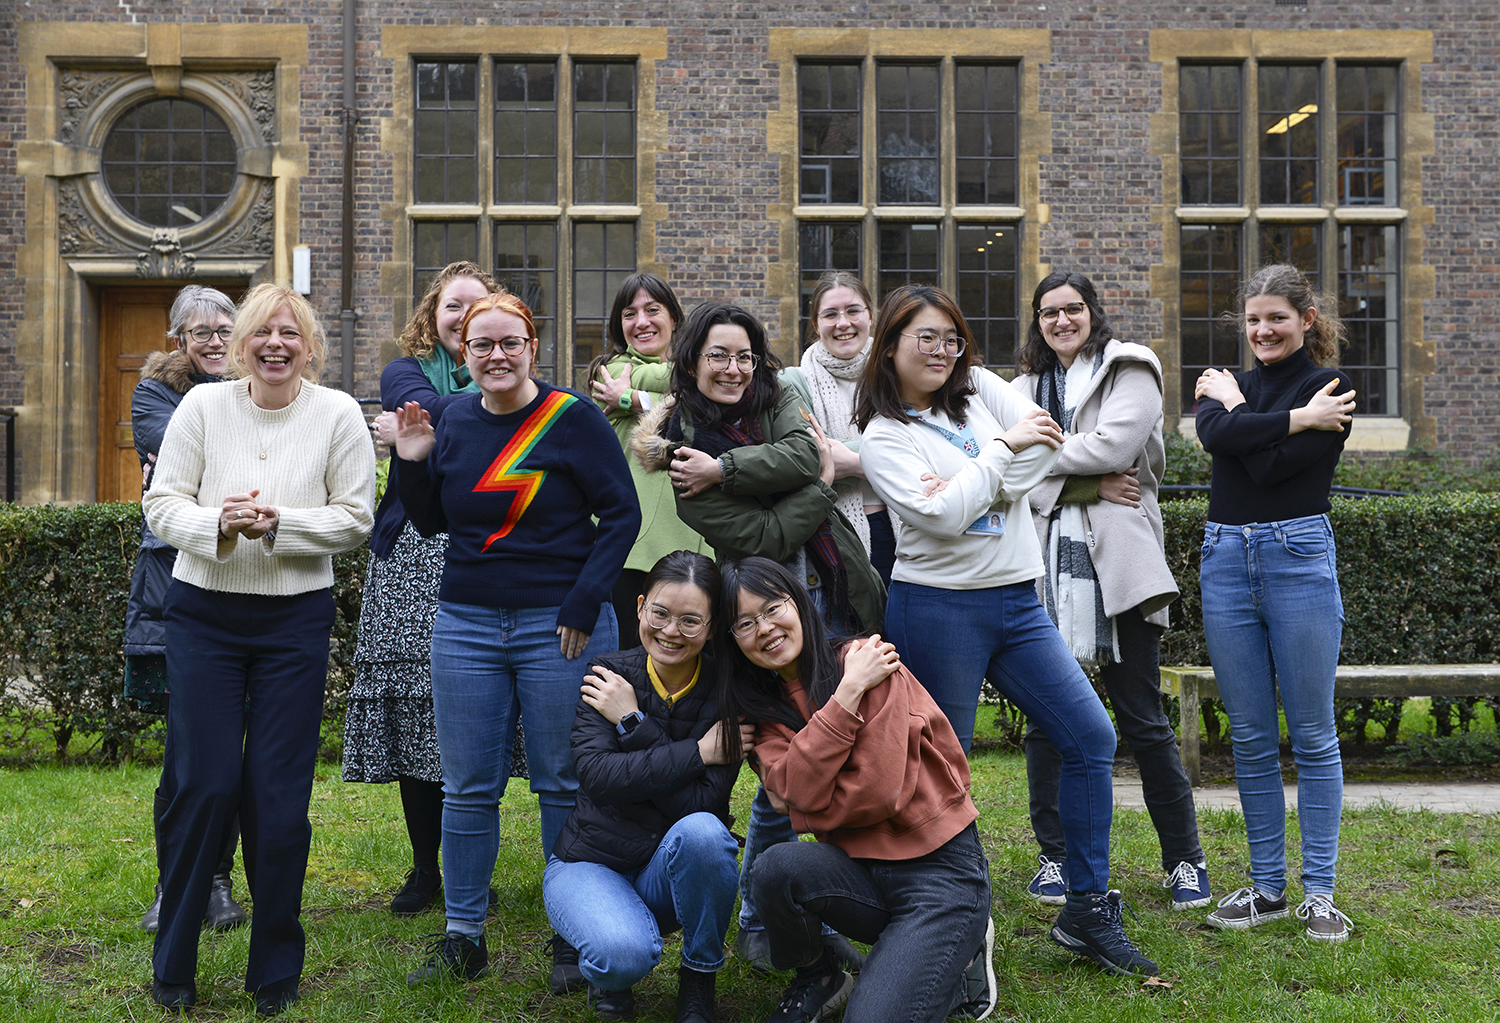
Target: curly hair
1326, 335
420, 335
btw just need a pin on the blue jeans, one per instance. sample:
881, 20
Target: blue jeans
1133, 685
953, 639
616, 920
490, 665
926, 918
1273, 619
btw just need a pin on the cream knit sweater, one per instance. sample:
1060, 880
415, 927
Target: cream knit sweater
318, 472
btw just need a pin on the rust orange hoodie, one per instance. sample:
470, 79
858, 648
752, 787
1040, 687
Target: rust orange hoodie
888, 783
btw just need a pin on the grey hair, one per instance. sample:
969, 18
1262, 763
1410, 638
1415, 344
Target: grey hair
195, 302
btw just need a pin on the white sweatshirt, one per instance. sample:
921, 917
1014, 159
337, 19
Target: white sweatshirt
932, 547
318, 472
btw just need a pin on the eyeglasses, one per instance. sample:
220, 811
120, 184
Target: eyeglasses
772, 612
831, 315
479, 347
659, 617
203, 334
929, 343
719, 361
1073, 309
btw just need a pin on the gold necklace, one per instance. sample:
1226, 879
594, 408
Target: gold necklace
265, 445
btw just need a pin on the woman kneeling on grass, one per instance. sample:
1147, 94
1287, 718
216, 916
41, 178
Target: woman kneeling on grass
647, 848
855, 751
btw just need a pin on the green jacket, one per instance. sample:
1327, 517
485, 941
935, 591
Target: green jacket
662, 532
740, 517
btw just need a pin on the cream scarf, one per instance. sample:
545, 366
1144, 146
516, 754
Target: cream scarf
835, 414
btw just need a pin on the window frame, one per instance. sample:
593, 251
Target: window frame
1249, 50
1025, 49
491, 47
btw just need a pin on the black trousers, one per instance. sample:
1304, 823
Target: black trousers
248, 676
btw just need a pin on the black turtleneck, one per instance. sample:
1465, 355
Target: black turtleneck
1260, 473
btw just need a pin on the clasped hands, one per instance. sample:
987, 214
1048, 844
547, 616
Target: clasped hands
242, 516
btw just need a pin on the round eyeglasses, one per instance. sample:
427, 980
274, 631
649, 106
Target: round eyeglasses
772, 612
659, 617
202, 335
929, 343
480, 347
1074, 310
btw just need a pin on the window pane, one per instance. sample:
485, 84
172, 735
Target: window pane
987, 282
603, 254
822, 247
525, 132
908, 255
1367, 135
829, 126
1369, 289
1210, 275
169, 162
435, 244
1288, 134
1209, 113
447, 127
906, 132
986, 133
526, 265
604, 126
1297, 244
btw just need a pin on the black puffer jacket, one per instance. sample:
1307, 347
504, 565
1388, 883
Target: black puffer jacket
632, 788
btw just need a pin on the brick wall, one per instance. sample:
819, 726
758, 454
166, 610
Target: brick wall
717, 179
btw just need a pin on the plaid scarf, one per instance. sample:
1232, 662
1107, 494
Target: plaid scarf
1070, 587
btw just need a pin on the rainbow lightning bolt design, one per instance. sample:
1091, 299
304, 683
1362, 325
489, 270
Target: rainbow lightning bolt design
502, 474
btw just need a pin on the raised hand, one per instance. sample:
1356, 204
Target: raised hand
414, 433
608, 390
867, 663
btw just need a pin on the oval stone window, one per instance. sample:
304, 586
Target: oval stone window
169, 162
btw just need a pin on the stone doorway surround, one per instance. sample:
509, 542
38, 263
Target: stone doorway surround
80, 78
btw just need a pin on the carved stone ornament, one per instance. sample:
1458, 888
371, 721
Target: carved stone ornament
78, 91
255, 234
257, 91
77, 232
165, 259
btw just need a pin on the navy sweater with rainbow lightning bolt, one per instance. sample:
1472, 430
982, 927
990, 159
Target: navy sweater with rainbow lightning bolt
518, 496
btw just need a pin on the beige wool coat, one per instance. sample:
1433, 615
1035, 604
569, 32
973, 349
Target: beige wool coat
1116, 425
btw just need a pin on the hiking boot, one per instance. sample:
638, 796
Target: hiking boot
566, 976
1050, 885
1247, 908
454, 955
421, 887
817, 993
1090, 926
612, 1004
1189, 884
695, 996
152, 920
1324, 920
223, 913
980, 988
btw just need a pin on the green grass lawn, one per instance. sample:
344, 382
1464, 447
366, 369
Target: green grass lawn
77, 866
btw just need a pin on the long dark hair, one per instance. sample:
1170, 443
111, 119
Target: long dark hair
1326, 335
1036, 356
879, 392
755, 693
691, 568
688, 345
652, 285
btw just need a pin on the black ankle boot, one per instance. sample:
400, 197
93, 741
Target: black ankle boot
695, 996
421, 887
174, 996
612, 1005
152, 920
223, 913
274, 998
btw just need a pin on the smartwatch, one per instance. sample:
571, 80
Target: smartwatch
629, 722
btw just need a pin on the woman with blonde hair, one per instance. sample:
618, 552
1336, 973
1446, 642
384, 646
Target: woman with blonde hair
258, 484
389, 733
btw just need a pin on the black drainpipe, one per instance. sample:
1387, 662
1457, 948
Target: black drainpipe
347, 315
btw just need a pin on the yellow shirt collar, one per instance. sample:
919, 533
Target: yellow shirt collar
661, 690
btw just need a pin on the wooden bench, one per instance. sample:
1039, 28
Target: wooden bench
1192, 685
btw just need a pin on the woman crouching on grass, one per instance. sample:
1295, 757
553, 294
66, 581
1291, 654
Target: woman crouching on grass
647, 849
855, 751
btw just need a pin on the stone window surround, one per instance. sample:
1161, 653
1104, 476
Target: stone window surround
1405, 48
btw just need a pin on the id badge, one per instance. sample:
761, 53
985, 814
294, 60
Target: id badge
988, 524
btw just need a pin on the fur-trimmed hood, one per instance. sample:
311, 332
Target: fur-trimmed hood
648, 441
172, 369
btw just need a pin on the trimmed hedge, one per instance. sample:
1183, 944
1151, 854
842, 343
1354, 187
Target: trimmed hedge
64, 581
1420, 578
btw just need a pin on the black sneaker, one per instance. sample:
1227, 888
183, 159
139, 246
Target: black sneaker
566, 976
275, 998
1090, 926
1325, 921
813, 996
421, 887
174, 996
453, 955
612, 1004
1247, 908
980, 987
